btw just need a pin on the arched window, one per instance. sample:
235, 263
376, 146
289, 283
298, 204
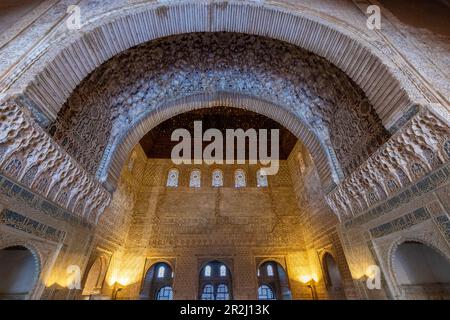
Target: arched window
208, 292
269, 270
208, 271
223, 271
161, 271
157, 284
217, 178
222, 292
215, 282
261, 179
271, 275
172, 178
195, 179
239, 179
165, 293
265, 293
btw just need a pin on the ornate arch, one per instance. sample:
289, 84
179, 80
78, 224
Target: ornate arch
53, 70
430, 241
225, 261
145, 284
114, 158
37, 257
215, 66
155, 262
44, 79
278, 260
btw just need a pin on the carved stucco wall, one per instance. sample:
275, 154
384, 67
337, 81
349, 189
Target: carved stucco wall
419, 212
426, 233
114, 223
431, 190
319, 224
241, 226
191, 225
226, 215
114, 226
62, 239
43, 252
57, 239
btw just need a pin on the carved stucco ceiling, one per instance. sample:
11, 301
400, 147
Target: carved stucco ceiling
130, 86
157, 143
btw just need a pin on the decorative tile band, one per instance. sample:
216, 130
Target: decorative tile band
13, 190
17, 221
402, 223
443, 223
408, 115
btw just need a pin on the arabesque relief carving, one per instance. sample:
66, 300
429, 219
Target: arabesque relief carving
28, 155
421, 146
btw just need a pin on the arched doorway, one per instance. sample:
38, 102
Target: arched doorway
332, 276
18, 272
96, 277
273, 282
215, 282
421, 271
158, 283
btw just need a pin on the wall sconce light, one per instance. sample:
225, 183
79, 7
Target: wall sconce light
309, 281
117, 288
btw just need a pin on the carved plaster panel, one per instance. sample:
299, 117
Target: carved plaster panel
420, 147
28, 155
